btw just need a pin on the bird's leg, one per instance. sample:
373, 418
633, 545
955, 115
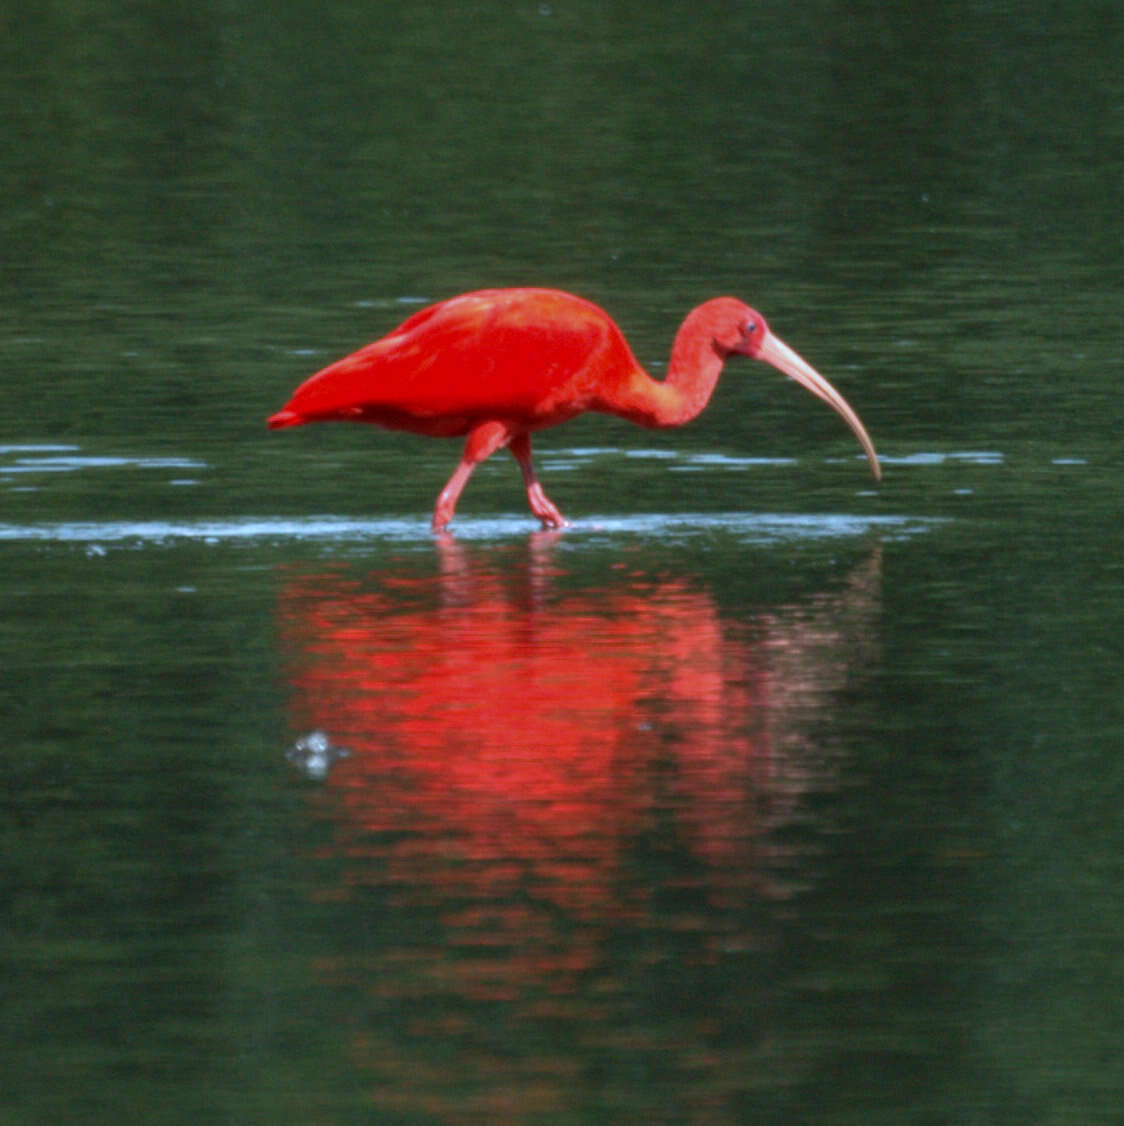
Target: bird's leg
540, 503
480, 445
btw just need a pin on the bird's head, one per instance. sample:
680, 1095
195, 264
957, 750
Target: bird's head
734, 328
752, 332
738, 330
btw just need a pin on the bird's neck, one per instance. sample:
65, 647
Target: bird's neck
692, 375
682, 394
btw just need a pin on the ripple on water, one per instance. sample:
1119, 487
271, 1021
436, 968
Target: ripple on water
19, 461
970, 457
760, 528
72, 463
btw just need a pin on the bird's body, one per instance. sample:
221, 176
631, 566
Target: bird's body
529, 357
496, 365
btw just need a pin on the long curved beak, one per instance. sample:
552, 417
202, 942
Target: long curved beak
784, 359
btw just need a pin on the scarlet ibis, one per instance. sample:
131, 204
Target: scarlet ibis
499, 364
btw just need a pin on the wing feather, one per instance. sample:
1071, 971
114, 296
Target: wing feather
531, 357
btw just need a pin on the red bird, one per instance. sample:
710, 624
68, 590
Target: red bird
498, 364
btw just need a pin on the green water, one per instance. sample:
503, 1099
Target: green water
763, 794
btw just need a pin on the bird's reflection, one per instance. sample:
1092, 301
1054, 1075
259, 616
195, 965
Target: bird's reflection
540, 763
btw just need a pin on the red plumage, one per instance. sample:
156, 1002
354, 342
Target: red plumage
498, 364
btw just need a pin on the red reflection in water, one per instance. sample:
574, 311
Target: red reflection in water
518, 744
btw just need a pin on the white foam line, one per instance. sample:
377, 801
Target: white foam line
333, 529
78, 461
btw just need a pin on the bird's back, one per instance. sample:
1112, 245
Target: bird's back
532, 357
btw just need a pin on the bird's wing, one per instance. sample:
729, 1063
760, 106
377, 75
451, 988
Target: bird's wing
529, 356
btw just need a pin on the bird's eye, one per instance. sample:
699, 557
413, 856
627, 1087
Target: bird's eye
750, 327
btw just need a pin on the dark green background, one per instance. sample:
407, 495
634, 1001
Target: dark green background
204, 202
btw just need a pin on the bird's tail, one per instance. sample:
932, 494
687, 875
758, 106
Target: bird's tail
284, 418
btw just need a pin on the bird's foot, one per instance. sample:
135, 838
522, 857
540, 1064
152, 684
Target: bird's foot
544, 509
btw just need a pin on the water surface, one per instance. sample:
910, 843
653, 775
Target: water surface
763, 793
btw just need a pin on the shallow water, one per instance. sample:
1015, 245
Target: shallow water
763, 792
